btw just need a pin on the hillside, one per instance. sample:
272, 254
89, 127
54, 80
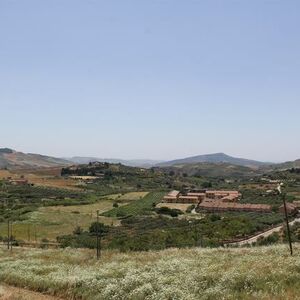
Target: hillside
286, 165
213, 170
214, 158
142, 163
12, 159
245, 273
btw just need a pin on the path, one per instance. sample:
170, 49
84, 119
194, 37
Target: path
13, 293
261, 235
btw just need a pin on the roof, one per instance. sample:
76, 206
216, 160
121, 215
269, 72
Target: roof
173, 193
188, 197
170, 198
223, 192
196, 194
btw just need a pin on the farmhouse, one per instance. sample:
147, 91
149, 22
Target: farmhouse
188, 199
216, 201
228, 196
195, 197
172, 197
174, 194
201, 196
219, 206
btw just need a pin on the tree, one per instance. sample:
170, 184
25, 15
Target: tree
206, 184
98, 228
171, 173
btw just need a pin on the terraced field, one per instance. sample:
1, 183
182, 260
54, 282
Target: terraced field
52, 221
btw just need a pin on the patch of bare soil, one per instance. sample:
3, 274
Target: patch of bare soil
14, 293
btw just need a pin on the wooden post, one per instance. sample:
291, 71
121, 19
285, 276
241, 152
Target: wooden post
98, 236
287, 224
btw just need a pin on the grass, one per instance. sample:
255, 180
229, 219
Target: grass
138, 207
50, 222
131, 196
246, 273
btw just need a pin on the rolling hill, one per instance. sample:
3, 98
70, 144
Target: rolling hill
213, 170
142, 163
215, 159
12, 159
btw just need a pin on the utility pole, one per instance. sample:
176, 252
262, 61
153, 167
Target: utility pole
286, 219
98, 236
287, 225
8, 234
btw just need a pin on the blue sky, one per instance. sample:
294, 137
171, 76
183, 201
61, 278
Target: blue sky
151, 79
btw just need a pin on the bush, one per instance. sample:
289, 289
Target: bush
271, 239
168, 211
97, 228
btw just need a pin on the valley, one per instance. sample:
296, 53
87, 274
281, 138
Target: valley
142, 215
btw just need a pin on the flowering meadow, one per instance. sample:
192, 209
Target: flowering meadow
245, 273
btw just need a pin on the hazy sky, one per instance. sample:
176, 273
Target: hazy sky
151, 79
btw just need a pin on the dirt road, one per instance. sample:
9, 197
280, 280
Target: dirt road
13, 293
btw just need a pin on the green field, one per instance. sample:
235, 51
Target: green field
208, 274
139, 207
52, 221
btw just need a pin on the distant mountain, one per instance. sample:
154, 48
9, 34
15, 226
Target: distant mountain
284, 166
215, 158
142, 163
224, 170
12, 159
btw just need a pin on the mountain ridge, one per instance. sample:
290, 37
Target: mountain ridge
215, 158
145, 163
12, 159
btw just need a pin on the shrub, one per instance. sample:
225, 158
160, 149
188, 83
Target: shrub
168, 211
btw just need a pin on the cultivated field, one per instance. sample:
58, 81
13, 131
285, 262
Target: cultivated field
247, 273
142, 206
131, 196
50, 222
48, 177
